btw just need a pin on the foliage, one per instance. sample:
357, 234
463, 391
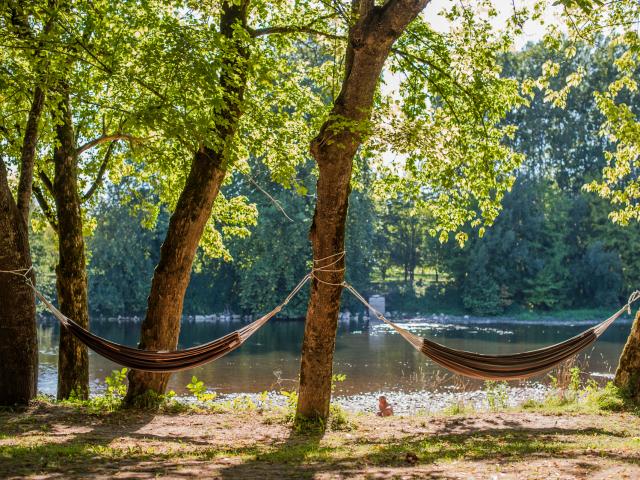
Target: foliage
497, 395
617, 100
609, 398
198, 389
116, 384
439, 156
447, 127
338, 419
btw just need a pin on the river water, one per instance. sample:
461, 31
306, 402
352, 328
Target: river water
373, 357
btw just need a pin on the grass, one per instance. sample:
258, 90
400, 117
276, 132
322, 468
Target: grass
111, 442
243, 439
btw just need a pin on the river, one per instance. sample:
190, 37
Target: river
373, 357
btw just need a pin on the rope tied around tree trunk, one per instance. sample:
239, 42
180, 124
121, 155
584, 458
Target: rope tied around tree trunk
335, 258
159, 361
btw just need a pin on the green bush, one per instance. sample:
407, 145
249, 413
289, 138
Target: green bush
198, 389
608, 398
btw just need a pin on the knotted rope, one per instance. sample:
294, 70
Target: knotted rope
335, 259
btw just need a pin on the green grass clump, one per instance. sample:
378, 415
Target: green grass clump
458, 408
608, 399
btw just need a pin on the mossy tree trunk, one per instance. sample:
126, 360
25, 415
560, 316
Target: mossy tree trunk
18, 332
628, 372
369, 44
71, 276
161, 325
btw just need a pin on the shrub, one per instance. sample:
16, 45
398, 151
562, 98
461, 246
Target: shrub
608, 398
198, 389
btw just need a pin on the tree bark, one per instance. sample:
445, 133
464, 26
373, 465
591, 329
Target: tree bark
28, 157
71, 274
370, 41
18, 333
161, 326
628, 372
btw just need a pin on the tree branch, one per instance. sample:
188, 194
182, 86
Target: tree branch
270, 197
100, 175
283, 30
46, 209
105, 138
28, 153
397, 14
308, 28
30, 140
46, 181
408, 56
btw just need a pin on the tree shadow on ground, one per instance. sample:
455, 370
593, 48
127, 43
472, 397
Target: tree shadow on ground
421, 456
75, 449
104, 446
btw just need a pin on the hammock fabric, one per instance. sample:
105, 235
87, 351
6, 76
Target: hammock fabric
513, 366
164, 361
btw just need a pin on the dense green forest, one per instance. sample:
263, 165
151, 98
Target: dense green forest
552, 247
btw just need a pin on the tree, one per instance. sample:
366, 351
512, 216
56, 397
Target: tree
446, 113
251, 73
112, 76
23, 80
62, 171
405, 228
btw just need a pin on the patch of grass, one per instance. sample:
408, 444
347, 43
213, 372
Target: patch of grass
458, 408
588, 400
339, 419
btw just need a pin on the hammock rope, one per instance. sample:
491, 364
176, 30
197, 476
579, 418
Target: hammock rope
475, 365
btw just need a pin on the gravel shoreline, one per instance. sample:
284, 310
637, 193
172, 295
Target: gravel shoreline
411, 403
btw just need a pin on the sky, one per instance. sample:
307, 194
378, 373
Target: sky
533, 31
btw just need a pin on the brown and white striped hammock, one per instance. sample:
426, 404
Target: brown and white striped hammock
165, 361
512, 366
475, 365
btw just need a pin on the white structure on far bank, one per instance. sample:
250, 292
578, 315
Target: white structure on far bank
377, 302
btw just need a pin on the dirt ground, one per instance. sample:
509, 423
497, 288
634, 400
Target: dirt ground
48, 441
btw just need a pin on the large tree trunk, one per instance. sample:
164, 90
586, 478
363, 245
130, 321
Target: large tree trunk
370, 42
161, 326
628, 372
71, 274
18, 332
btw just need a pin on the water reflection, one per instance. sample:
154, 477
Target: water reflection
373, 357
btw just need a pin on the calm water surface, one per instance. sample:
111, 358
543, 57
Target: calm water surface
373, 357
